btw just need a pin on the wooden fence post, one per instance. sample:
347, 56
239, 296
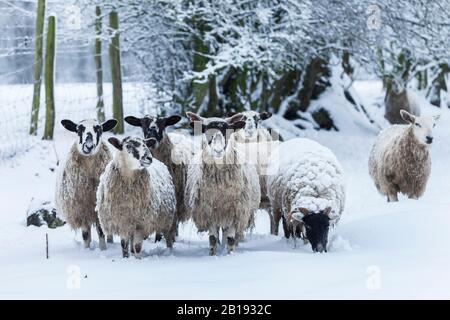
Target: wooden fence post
49, 80
39, 38
98, 65
116, 73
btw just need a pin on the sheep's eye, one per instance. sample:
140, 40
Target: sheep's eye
418, 125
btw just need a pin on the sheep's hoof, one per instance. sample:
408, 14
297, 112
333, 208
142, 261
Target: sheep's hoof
102, 244
110, 239
212, 251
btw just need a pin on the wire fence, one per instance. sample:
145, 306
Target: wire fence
75, 87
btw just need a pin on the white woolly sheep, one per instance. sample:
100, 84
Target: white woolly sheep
136, 196
221, 191
79, 176
306, 189
257, 145
399, 98
171, 149
399, 160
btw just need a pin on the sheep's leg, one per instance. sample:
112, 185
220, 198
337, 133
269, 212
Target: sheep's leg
275, 222
272, 223
213, 236
132, 243
86, 234
158, 237
136, 246
125, 242
287, 232
170, 238
392, 197
110, 239
174, 228
101, 236
231, 240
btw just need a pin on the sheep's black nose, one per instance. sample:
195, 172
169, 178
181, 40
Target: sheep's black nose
429, 140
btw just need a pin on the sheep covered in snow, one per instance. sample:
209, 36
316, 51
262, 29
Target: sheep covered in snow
174, 150
399, 98
257, 144
136, 196
79, 176
221, 191
399, 160
306, 189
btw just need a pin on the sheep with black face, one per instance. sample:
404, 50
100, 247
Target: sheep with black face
79, 176
136, 196
221, 191
174, 150
306, 190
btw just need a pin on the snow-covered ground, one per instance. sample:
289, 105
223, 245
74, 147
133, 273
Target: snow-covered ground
379, 250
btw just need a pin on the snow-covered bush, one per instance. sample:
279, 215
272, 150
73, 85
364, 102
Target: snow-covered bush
136, 196
306, 189
79, 176
400, 160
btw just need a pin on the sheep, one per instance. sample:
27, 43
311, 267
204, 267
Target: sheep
222, 192
399, 160
174, 155
136, 196
79, 176
306, 189
399, 98
258, 143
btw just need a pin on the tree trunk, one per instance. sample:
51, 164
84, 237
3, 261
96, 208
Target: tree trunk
49, 80
38, 63
313, 84
98, 66
116, 72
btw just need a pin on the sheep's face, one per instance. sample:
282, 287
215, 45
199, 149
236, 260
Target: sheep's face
216, 131
422, 127
397, 86
153, 127
89, 134
252, 121
316, 226
135, 150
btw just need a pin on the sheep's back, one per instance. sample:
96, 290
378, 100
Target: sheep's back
306, 171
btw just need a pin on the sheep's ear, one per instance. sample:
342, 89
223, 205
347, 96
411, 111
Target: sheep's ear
237, 125
69, 125
237, 117
151, 142
304, 211
133, 121
327, 211
116, 143
170, 121
193, 117
193, 126
408, 117
265, 115
109, 125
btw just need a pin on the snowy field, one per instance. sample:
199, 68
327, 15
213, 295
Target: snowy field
379, 250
